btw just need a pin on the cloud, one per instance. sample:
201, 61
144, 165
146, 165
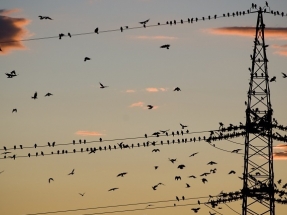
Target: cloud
154, 37
88, 133
137, 104
280, 155
281, 49
130, 91
280, 146
277, 33
154, 90
12, 29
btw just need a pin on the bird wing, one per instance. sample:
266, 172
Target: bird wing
101, 84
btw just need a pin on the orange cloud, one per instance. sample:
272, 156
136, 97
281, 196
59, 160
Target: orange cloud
155, 37
278, 33
130, 91
12, 29
137, 104
153, 89
280, 155
280, 146
88, 133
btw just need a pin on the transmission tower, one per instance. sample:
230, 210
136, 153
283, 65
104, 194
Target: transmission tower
258, 176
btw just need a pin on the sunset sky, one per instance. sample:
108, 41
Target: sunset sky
208, 60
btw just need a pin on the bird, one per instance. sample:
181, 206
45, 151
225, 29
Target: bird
177, 198
211, 213
205, 174
121, 174
266, 4
144, 22
97, 30
195, 210
232, 172
204, 180
273, 79
183, 126
72, 173
177, 89
113, 189
35, 96
181, 166
165, 46
61, 35
150, 107
177, 178
1, 171
45, 17
87, 58
69, 35
191, 176
121, 29
193, 154
155, 167
14, 110
172, 160
48, 94
155, 150
102, 86
50, 179
82, 194
154, 187
211, 163
11, 74
284, 75
235, 150
187, 185
279, 181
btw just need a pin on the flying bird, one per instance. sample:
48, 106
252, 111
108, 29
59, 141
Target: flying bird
177, 89
48, 94
45, 17
181, 166
284, 75
211, 163
87, 58
102, 86
155, 167
187, 185
172, 160
14, 110
11, 74
266, 4
232, 172
165, 46
144, 22
191, 176
204, 180
35, 96
235, 150
193, 154
273, 79
195, 210
150, 107
121, 174
177, 178
205, 174
50, 179
72, 173
183, 126
113, 189
82, 194
155, 150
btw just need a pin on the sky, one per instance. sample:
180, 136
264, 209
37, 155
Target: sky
208, 60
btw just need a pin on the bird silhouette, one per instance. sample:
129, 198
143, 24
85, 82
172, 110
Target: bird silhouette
61, 35
113, 189
273, 79
102, 86
50, 179
192, 155
45, 17
187, 185
205, 174
150, 107
121, 174
181, 166
155, 150
284, 75
183, 126
82, 194
72, 173
14, 110
177, 89
195, 210
172, 160
235, 150
35, 96
231, 172
48, 94
211, 213
191, 176
87, 58
69, 35
266, 4
97, 30
155, 167
121, 29
211, 163
165, 46
279, 181
144, 22
177, 178
177, 198
204, 180
11, 74
154, 187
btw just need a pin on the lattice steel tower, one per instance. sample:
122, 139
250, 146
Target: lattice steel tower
258, 176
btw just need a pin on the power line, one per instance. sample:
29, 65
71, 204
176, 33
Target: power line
213, 209
232, 209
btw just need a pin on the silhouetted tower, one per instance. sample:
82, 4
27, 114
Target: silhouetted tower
258, 176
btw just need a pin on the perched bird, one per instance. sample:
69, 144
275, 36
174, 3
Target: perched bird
102, 86
14, 110
232, 172
273, 79
181, 166
266, 4
35, 96
279, 181
113, 189
87, 58
72, 173
121, 29
61, 35
69, 34
144, 22
150, 107
177, 89
48, 94
193, 154
121, 174
195, 210
45, 17
165, 46
284, 75
82, 194
50, 179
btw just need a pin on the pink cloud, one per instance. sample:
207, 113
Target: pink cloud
137, 104
280, 155
130, 91
88, 133
155, 37
154, 90
12, 29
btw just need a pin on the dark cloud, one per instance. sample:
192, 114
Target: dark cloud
12, 29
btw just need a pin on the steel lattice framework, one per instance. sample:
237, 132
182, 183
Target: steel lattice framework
258, 176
